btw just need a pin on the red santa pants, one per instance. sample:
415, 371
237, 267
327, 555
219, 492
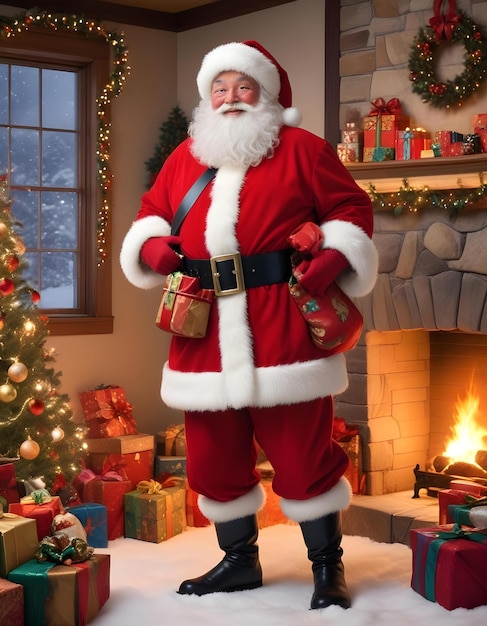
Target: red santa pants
221, 451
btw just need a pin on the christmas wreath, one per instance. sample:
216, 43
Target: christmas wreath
455, 27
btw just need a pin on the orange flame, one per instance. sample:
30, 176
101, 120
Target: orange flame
467, 434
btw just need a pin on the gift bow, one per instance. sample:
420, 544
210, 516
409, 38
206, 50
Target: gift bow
444, 25
381, 107
39, 496
87, 475
115, 408
154, 486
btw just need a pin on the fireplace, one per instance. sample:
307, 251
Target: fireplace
424, 341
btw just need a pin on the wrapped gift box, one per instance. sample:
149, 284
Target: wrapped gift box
457, 495
378, 154
354, 473
410, 143
110, 494
71, 595
172, 441
194, 517
130, 456
155, 517
43, 513
107, 412
18, 542
8, 485
449, 571
469, 486
174, 465
349, 152
351, 134
11, 603
380, 130
93, 517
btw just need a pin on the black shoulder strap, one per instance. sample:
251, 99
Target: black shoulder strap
190, 198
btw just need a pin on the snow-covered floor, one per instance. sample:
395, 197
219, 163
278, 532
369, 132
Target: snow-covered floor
145, 577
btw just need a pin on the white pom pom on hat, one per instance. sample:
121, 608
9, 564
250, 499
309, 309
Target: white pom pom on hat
251, 59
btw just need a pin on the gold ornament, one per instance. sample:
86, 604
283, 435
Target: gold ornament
7, 392
29, 449
17, 372
3, 229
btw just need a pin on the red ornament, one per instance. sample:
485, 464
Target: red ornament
36, 407
13, 263
7, 286
35, 295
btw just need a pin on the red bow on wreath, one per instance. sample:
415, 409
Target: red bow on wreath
444, 25
381, 107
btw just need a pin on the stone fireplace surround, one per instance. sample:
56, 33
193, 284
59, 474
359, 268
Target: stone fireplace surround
432, 280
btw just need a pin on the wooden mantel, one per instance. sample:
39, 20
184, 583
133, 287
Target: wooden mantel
436, 173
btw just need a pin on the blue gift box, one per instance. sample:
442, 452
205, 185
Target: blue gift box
93, 516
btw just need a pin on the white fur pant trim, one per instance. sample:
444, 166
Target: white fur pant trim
334, 500
246, 505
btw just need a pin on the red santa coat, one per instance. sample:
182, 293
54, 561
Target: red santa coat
257, 351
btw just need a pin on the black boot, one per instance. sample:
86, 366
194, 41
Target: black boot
240, 567
323, 537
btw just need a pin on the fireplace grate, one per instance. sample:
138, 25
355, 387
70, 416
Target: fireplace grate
434, 481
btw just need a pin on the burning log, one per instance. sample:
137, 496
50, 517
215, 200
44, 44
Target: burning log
444, 465
481, 459
461, 468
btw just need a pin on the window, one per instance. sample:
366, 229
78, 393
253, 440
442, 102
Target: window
49, 83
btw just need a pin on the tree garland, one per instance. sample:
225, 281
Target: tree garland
421, 62
413, 199
90, 28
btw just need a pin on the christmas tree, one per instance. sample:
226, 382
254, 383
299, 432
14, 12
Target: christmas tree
37, 433
171, 133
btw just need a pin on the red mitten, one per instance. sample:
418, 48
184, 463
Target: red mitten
158, 254
317, 274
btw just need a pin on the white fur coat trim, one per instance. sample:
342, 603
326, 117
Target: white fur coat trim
136, 272
360, 251
281, 384
337, 499
246, 505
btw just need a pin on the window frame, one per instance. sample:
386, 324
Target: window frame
92, 55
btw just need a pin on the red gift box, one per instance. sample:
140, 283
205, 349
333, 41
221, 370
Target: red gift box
410, 144
107, 412
383, 121
8, 485
446, 497
43, 514
11, 603
110, 493
449, 568
131, 456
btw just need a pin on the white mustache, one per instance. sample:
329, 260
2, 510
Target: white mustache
239, 106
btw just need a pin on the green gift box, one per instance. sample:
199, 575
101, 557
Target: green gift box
155, 516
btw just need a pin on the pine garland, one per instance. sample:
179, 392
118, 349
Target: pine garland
171, 133
443, 94
414, 199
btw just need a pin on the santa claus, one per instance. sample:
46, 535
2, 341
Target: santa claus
256, 376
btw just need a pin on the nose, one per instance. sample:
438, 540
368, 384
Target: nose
231, 96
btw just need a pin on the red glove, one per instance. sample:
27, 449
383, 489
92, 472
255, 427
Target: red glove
317, 273
158, 254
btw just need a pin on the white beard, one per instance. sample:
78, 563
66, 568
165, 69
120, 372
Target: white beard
242, 140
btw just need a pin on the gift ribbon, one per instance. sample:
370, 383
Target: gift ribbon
87, 475
37, 497
444, 25
381, 107
407, 143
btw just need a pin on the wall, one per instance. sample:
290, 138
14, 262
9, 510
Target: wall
376, 41
163, 70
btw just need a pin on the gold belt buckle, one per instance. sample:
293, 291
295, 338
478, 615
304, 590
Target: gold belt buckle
237, 271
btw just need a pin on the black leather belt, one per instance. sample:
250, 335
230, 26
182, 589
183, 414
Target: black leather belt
232, 273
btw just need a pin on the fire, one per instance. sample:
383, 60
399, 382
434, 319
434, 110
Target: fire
468, 436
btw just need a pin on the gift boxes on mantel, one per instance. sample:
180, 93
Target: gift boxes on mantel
349, 150
380, 128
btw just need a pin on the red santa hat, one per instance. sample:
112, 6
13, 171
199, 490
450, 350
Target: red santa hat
251, 59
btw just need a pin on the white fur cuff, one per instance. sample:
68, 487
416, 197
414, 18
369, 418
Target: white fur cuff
246, 505
337, 499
